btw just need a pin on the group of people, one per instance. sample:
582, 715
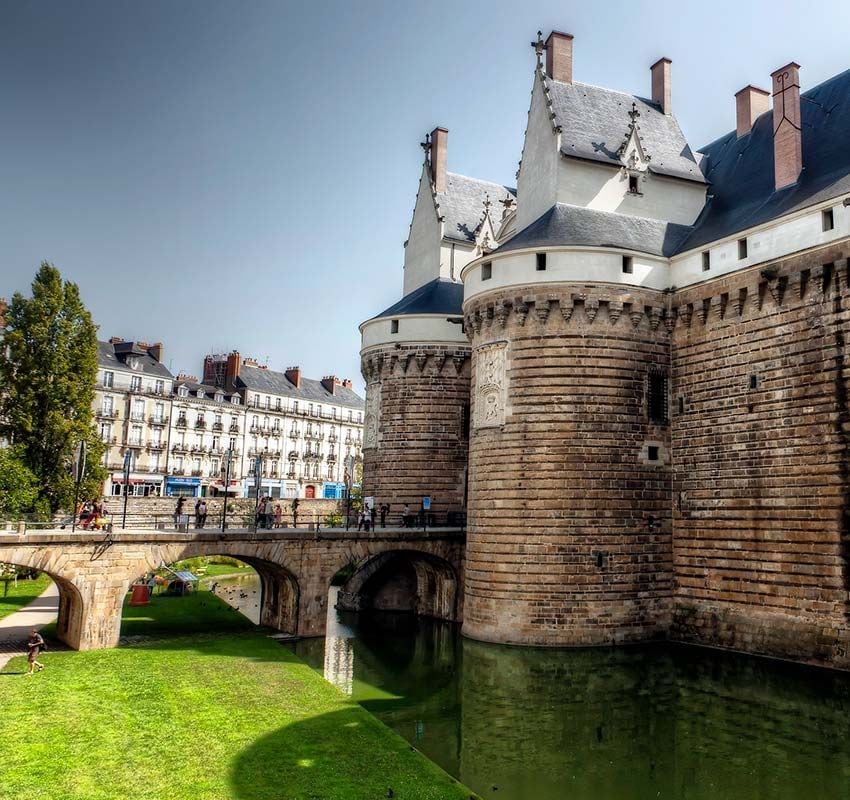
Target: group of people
367, 516
271, 516
92, 515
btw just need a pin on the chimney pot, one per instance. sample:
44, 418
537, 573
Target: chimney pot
293, 375
662, 84
330, 382
439, 157
787, 135
559, 57
155, 351
750, 103
347, 383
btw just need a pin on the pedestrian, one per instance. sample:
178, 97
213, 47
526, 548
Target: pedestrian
405, 516
360, 520
295, 503
385, 509
178, 511
372, 515
151, 584
202, 513
34, 646
278, 515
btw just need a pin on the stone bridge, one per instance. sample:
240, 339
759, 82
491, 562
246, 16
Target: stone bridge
418, 571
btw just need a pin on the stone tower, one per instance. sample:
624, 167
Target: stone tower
569, 538
415, 354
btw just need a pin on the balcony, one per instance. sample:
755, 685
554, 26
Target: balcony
331, 458
293, 434
234, 428
255, 429
197, 472
180, 448
332, 437
290, 475
198, 449
153, 469
181, 422
178, 471
134, 443
154, 420
137, 416
200, 425
217, 426
216, 451
155, 447
104, 414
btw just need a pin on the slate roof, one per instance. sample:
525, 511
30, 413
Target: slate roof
741, 170
594, 123
267, 380
209, 391
115, 356
565, 224
439, 296
462, 204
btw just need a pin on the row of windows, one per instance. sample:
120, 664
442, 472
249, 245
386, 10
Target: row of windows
540, 266
827, 224
311, 409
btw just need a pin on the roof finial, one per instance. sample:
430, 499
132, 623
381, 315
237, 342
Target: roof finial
634, 114
539, 46
426, 145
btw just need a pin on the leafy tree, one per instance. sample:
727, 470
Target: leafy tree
48, 368
18, 485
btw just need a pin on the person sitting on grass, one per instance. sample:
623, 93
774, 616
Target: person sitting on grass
34, 646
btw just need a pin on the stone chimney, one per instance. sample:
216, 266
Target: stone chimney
293, 375
787, 129
347, 384
115, 340
559, 57
330, 382
750, 103
439, 158
155, 351
662, 84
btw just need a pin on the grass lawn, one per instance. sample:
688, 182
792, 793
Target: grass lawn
13, 598
210, 717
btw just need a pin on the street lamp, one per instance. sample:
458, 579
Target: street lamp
226, 468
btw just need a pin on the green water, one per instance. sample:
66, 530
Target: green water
625, 724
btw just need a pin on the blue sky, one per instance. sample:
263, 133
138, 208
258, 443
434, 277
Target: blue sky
240, 175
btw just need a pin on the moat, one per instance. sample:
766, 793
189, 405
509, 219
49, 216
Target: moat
626, 724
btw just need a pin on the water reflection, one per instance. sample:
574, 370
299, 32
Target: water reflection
622, 724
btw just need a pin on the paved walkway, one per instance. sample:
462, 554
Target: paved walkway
15, 629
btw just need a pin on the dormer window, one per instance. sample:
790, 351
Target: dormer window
634, 187
183, 392
235, 399
219, 398
201, 394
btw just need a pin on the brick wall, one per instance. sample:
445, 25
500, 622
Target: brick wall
418, 396
569, 522
761, 459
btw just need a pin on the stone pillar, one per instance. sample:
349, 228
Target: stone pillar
569, 537
102, 599
415, 437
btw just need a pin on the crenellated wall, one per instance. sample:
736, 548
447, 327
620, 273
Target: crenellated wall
415, 442
762, 459
569, 535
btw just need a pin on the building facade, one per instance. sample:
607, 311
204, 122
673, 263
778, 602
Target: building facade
657, 387
307, 433
179, 434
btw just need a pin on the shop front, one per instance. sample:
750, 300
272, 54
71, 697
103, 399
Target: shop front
176, 486
137, 486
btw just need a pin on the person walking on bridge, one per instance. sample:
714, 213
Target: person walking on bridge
34, 646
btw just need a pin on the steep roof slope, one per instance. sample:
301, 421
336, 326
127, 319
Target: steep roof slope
439, 296
112, 357
462, 204
594, 123
741, 170
267, 380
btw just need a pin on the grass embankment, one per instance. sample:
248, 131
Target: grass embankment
234, 717
14, 597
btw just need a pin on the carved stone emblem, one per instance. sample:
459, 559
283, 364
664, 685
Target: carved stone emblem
372, 419
490, 386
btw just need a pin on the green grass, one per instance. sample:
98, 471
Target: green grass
13, 598
224, 569
196, 612
234, 717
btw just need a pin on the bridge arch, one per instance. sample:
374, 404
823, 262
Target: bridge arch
402, 580
280, 592
71, 610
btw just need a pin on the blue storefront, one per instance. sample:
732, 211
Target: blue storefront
333, 491
176, 486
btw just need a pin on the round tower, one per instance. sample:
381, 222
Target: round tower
569, 535
415, 360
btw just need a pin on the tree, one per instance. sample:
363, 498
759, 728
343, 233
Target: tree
48, 368
18, 485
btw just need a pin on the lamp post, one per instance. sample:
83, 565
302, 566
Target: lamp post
79, 469
258, 466
227, 456
128, 457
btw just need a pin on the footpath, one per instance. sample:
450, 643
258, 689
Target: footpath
15, 629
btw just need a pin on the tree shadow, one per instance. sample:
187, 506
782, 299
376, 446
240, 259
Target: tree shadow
322, 758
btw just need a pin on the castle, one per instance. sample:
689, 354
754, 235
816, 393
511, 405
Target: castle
631, 371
